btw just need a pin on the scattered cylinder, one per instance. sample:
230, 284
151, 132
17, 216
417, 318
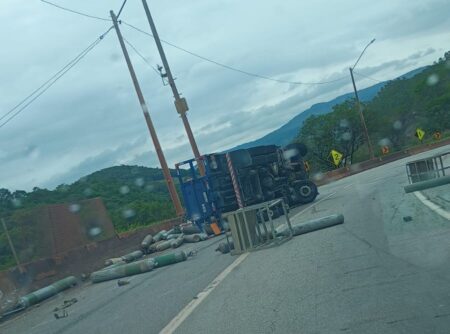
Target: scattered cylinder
133, 256
163, 245
121, 262
112, 261
192, 238
159, 236
440, 181
175, 243
167, 259
195, 237
312, 225
174, 236
225, 247
128, 269
190, 229
145, 244
47, 292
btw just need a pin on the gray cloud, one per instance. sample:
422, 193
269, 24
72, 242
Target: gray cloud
91, 118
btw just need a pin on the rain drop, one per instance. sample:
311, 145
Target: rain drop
32, 152
384, 142
94, 231
196, 216
139, 182
16, 202
88, 192
290, 153
432, 80
128, 213
74, 208
124, 190
318, 176
344, 123
149, 187
397, 125
346, 136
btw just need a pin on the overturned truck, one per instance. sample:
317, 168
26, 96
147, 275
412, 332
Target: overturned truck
244, 177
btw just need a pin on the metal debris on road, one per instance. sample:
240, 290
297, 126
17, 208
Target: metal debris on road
122, 282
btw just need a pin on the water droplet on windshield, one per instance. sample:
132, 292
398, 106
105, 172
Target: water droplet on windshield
290, 153
397, 125
318, 176
74, 208
344, 123
124, 190
88, 192
32, 152
16, 202
94, 231
114, 57
139, 182
196, 216
432, 79
149, 187
346, 136
128, 213
385, 142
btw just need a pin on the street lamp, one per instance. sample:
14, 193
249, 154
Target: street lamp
358, 104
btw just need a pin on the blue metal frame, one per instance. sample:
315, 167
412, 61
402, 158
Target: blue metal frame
197, 195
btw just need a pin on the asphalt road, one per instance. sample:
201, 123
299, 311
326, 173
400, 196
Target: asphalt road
376, 273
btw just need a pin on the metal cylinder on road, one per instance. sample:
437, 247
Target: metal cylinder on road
145, 244
128, 269
47, 292
167, 259
312, 225
133, 256
443, 180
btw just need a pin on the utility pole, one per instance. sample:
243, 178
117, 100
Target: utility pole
162, 160
363, 121
180, 102
13, 250
358, 103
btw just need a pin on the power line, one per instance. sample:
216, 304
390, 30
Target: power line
49, 83
75, 12
140, 55
196, 54
230, 67
121, 8
367, 77
84, 14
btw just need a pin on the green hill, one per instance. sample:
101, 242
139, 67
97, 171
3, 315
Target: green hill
134, 196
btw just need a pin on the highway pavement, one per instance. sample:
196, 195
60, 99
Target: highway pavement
385, 270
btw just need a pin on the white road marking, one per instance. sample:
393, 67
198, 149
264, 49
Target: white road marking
436, 208
189, 308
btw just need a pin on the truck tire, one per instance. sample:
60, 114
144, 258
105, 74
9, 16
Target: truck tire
306, 191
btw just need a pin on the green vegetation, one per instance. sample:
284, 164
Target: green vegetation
134, 196
392, 117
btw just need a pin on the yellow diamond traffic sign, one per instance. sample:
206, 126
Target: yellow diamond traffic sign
420, 133
337, 157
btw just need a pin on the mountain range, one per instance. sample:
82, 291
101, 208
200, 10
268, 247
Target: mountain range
286, 133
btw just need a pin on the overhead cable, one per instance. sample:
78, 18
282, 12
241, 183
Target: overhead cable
22, 105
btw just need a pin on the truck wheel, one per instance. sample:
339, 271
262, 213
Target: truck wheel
306, 191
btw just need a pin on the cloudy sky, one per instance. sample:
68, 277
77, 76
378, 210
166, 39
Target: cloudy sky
90, 119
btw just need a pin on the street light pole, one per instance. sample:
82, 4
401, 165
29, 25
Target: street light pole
358, 103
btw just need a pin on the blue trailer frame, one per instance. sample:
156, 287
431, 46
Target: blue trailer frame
197, 195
